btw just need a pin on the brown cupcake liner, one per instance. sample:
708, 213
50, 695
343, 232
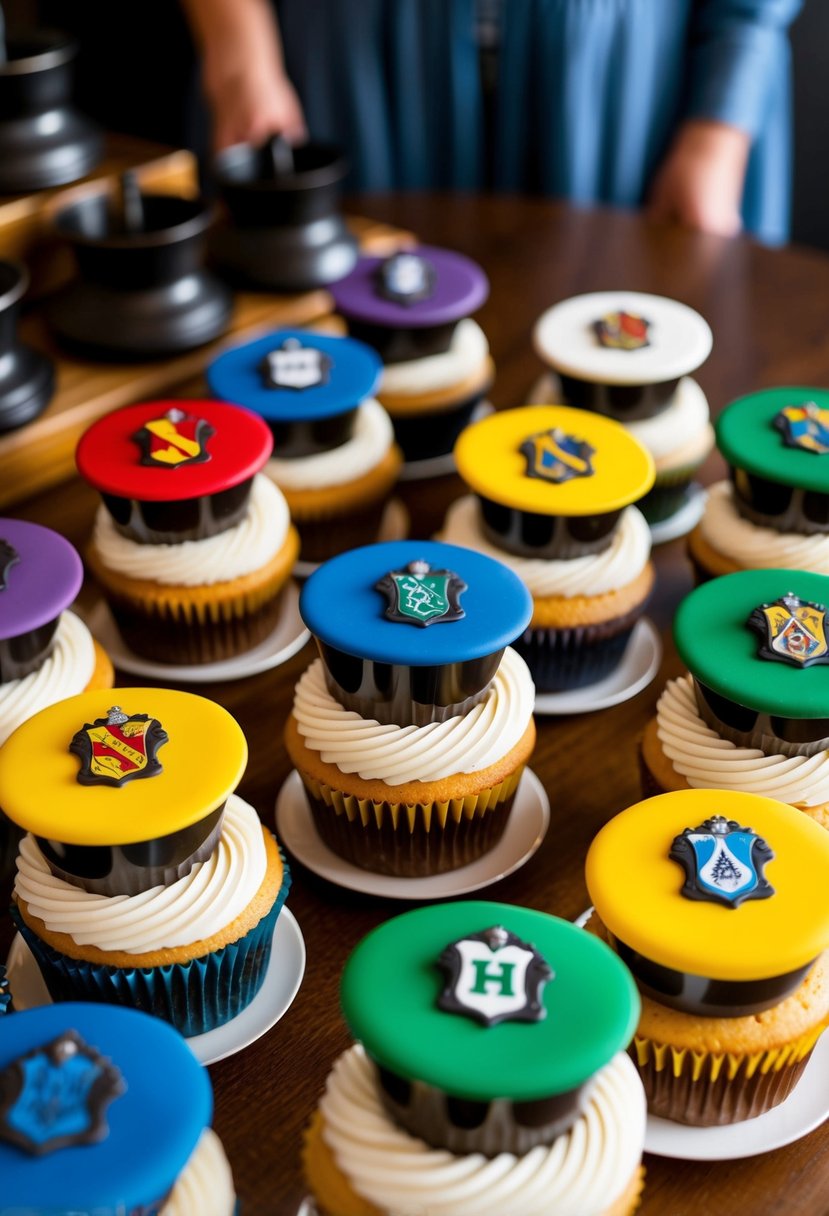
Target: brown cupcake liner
649, 783
578, 656
323, 538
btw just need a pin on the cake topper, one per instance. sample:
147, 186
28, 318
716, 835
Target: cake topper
421, 595
405, 278
295, 366
8, 557
723, 862
118, 748
174, 440
804, 426
557, 457
494, 977
791, 631
56, 1096
622, 330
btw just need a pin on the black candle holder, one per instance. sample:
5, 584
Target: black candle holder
27, 378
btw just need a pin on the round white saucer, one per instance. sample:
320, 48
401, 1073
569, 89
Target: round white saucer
280, 986
441, 466
638, 667
393, 526
307, 1207
526, 828
289, 636
684, 520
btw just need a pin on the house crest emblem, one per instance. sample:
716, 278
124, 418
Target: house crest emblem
494, 977
723, 862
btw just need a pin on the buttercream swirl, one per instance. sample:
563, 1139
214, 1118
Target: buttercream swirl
205, 1186
582, 1173
619, 564
195, 907
239, 550
754, 546
67, 670
707, 761
466, 353
399, 754
373, 436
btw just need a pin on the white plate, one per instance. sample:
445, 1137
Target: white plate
274, 998
684, 520
441, 466
393, 526
307, 1207
289, 636
638, 667
526, 827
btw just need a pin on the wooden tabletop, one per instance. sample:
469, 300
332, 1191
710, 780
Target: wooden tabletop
768, 311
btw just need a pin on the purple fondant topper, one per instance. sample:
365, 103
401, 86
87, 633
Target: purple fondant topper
459, 288
42, 583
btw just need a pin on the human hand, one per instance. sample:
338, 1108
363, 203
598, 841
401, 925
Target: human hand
251, 105
700, 181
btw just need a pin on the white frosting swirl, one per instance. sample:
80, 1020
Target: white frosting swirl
582, 1173
373, 436
202, 903
67, 670
619, 564
239, 550
684, 419
205, 1186
466, 353
707, 761
754, 546
399, 754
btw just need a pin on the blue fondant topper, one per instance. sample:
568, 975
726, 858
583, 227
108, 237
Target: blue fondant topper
292, 375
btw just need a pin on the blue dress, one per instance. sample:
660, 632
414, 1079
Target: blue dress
588, 94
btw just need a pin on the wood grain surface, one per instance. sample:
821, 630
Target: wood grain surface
768, 312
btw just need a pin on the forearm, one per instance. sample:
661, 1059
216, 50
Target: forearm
231, 33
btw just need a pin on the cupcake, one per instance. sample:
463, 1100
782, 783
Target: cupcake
751, 714
143, 879
630, 356
716, 901
552, 498
5, 993
414, 309
192, 546
489, 1075
106, 1111
774, 509
411, 730
336, 461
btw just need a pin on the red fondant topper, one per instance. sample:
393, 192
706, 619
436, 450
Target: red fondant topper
219, 446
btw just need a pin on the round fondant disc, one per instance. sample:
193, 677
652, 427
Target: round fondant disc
749, 439
460, 288
41, 583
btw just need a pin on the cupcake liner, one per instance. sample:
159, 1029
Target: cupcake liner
326, 537
563, 659
195, 996
665, 499
649, 783
423, 436
411, 841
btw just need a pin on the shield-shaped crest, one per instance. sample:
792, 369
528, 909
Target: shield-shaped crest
557, 457
174, 440
494, 977
804, 426
420, 595
622, 330
405, 278
118, 748
8, 557
723, 862
295, 366
791, 631
56, 1096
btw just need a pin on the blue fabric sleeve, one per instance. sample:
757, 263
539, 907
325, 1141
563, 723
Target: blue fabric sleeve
737, 48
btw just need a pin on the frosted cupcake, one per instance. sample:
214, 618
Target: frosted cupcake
143, 880
631, 357
113, 1079
773, 511
716, 902
192, 546
553, 493
412, 729
489, 1074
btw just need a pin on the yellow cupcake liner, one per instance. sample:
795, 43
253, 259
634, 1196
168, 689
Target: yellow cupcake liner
726, 1064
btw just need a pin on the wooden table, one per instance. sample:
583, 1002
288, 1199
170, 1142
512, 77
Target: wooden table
768, 313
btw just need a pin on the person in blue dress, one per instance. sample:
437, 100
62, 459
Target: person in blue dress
679, 105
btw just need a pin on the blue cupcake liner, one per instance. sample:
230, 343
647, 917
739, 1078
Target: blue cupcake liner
195, 997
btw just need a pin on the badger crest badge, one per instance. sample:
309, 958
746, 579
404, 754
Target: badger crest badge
118, 748
174, 440
494, 977
804, 426
56, 1096
622, 330
557, 457
792, 631
723, 862
405, 278
8, 557
295, 366
420, 595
